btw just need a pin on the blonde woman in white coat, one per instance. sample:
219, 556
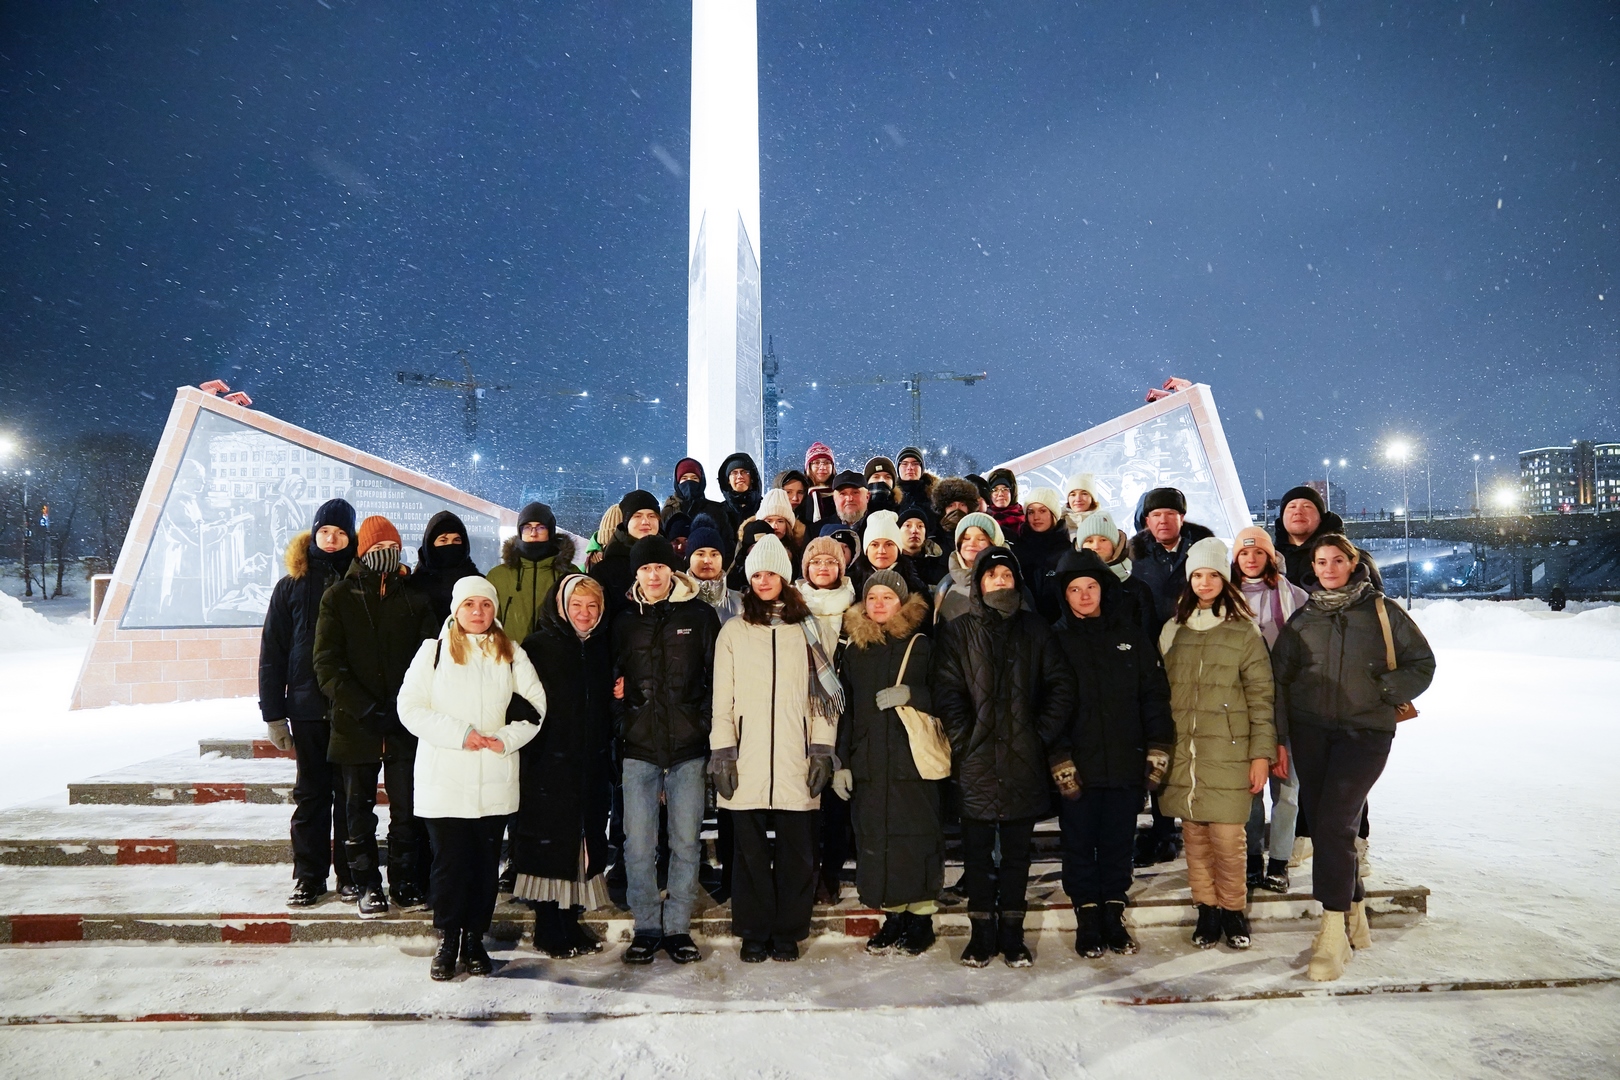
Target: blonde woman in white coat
777, 699
454, 700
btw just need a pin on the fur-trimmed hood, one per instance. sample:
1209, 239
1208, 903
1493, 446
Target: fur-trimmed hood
954, 489
565, 549
863, 631
297, 555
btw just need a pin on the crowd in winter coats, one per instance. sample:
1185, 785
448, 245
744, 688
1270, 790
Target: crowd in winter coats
848, 664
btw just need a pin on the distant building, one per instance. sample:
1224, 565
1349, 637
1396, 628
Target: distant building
1334, 496
1606, 477
1564, 479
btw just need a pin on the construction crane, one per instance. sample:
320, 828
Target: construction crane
914, 384
472, 390
768, 370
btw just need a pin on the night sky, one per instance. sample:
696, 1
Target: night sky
1355, 222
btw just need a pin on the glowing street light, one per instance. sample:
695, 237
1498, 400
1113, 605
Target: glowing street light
1327, 480
1506, 498
1399, 450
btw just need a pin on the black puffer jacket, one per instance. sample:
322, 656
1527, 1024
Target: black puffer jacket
1005, 694
612, 572
743, 504
1038, 556
439, 568
1332, 669
288, 689
566, 777
1122, 703
1164, 572
665, 652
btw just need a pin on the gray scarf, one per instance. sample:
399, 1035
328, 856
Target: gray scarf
1005, 601
1332, 600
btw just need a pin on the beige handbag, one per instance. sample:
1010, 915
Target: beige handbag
1406, 710
930, 749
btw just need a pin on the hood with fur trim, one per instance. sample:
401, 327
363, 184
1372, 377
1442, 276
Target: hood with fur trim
863, 632
955, 489
297, 555
565, 550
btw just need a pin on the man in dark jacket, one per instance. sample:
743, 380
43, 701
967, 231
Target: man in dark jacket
291, 701
1159, 551
443, 559
366, 635
1005, 694
741, 486
1119, 740
639, 513
663, 648
1303, 517
927, 557
691, 491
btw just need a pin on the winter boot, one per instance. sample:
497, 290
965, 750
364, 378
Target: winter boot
373, 903
681, 948
1114, 934
1276, 879
579, 935
1363, 859
473, 954
643, 949
755, 952
1355, 926
1088, 940
1208, 930
889, 934
1010, 940
1331, 949
1235, 926
1255, 871
306, 893
444, 961
1302, 851
784, 952
981, 947
550, 938
918, 936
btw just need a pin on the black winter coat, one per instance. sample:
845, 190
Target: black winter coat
1122, 700
896, 813
742, 504
612, 571
665, 652
1164, 572
438, 569
288, 689
566, 775
1038, 555
1005, 693
364, 643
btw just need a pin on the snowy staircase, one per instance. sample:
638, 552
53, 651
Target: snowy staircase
195, 849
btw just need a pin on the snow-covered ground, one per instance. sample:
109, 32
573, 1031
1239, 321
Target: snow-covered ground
1501, 798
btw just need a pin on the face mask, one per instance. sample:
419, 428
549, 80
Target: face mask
535, 550
338, 560
381, 560
442, 558
1005, 601
689, 490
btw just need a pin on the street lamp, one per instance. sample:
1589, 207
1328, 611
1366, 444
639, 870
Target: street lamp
1327, 480
1479, 506
635, 469
1400, 451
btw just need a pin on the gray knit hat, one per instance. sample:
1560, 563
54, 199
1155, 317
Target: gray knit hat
889, 580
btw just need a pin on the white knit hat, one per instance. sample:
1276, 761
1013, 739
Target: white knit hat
1083, 481
1209, 554
472, 585
1047, 498
775, 504
883, 525
769, 554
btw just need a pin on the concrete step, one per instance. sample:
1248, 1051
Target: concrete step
246, 904
185, 780
251, 749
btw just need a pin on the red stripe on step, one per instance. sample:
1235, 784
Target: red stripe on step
213, 793
272, 932
382, 795
36, 929
264, 748
148, 852
864, 927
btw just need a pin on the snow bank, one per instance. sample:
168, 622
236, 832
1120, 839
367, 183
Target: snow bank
22, 629
1526, 627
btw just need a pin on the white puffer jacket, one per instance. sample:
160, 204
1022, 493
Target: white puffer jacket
441, 704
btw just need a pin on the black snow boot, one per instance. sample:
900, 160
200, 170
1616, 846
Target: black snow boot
1088, 940
643, 949
1010, 940
473, 954
888, 935
444, 961
583, 939
550, 938
1256, 870
1208, 930
306, 893
1235, 925
1276, 879
918, 935
1114, 934
981, 947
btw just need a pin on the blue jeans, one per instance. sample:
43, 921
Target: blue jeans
1284, 816
683, 789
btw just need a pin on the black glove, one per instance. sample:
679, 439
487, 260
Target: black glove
723, 769
821, 771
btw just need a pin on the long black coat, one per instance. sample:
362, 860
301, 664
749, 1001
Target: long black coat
566, 775
1005, 693
1122, 700
665, 652
896, 813
288, 689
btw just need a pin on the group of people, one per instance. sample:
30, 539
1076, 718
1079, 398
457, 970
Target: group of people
848, 631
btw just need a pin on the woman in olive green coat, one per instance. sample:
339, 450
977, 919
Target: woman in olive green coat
1221, 694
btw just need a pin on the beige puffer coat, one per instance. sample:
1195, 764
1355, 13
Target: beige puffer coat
762, 707
1221, 694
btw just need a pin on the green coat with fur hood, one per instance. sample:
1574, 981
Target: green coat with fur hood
1221, 694
522, 584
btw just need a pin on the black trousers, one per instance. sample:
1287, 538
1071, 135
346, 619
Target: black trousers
320, 824
835, 840
1099, 839
1337, 769
991, 888
773, 884
466, 868
406, 849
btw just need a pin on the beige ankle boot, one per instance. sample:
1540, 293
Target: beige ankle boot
1355, 926
1331, 949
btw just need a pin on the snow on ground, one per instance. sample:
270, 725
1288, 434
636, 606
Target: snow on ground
1501, 797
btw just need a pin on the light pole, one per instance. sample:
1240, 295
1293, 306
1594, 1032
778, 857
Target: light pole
1478, 506
1399, 451
1327, 480
635, 468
